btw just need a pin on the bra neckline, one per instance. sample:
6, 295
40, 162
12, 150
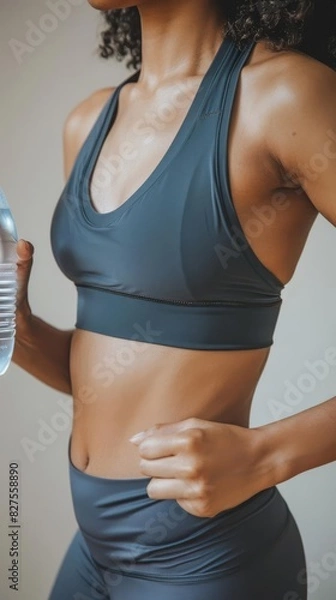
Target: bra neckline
95, 217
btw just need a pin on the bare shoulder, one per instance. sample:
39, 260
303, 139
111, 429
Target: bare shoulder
292, 79
304, 78
294, 98
79, 123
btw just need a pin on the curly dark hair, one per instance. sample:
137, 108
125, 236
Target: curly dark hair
305, 25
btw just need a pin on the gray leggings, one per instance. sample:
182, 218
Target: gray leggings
131, 547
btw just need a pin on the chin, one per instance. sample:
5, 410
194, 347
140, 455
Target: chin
111, 4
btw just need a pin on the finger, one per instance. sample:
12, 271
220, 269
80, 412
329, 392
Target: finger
169, 428
157, 446
24, 250
170, 489
169, 468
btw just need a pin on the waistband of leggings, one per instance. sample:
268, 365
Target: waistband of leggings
131, 486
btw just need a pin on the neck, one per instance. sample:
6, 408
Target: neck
179, 38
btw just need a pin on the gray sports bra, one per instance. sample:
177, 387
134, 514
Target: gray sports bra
171, 265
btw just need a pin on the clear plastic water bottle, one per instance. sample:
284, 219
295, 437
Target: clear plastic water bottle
8, 283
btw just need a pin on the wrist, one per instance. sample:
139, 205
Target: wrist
271, 461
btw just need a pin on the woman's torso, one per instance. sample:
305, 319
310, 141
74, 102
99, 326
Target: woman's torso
123, 386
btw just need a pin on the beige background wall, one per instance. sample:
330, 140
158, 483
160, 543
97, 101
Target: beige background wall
35, 98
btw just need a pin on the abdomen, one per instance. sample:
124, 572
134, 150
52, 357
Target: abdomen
121, 387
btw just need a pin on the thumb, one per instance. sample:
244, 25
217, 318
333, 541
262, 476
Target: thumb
25, 251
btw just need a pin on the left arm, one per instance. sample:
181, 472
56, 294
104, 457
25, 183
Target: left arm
207, 466
306, 147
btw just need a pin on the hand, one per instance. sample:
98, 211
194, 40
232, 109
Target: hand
206, 466
24, 265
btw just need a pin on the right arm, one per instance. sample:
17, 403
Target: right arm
41, 349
